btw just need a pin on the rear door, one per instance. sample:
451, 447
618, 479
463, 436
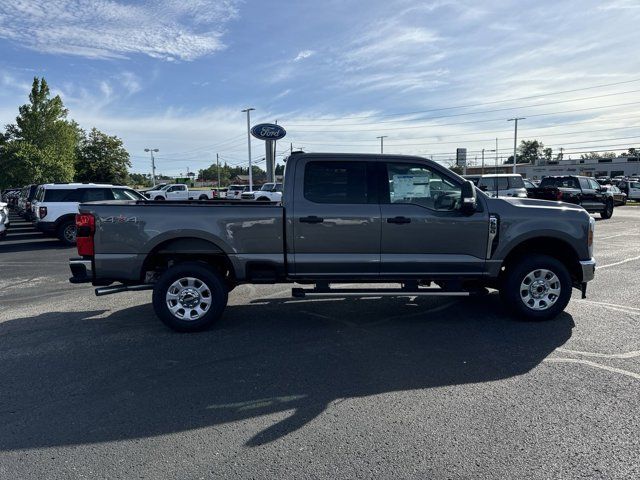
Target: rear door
423, 230
588, 196
336, 220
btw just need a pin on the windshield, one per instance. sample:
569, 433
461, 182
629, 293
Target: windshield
267, 187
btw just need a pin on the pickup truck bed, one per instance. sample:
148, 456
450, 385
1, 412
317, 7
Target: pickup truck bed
250, 235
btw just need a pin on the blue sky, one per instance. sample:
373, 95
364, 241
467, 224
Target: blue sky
175, 74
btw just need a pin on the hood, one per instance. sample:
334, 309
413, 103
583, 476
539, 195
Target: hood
535, 203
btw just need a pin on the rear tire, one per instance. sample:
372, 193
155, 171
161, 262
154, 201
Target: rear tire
66, 232
608, 210
537, 287
159, 198
190, 297
203, 197
262, 199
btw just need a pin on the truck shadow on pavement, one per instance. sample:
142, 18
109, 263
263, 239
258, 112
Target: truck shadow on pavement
71, 378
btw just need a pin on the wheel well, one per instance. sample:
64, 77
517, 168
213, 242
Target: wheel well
187, 249
65, 218
554, 247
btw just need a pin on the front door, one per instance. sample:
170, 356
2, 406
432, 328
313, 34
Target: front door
336, 220
423, 230
178, 192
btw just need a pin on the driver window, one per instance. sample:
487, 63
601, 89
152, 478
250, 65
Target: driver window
419, 185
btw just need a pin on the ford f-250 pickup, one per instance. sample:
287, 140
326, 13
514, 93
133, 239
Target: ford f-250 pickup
343, 218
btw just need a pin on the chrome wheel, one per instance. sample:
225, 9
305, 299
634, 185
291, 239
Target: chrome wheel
69, 233
540, 289
188, 298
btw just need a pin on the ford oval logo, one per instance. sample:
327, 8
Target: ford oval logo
268, 131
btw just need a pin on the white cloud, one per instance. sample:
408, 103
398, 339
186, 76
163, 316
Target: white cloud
130, 82
168, 29
303, 54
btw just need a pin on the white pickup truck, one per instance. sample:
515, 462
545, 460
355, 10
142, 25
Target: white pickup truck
269, 192
179, 191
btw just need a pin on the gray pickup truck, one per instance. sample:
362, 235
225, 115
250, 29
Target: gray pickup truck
344, 218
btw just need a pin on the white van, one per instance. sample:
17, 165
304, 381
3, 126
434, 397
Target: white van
503, 185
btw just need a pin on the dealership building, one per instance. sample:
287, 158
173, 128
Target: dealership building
592, 167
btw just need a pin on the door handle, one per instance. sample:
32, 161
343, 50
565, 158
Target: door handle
399, 220
311, 219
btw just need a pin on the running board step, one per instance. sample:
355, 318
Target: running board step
376, 292
101, 291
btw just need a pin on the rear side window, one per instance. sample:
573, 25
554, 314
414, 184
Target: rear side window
336, 182
124, 194
96, 194
584, 183
61, 195
516, 182
494, 183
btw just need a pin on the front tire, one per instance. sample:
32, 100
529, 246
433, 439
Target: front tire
608, 210
190, 297
159, 198
537, 287
66, 232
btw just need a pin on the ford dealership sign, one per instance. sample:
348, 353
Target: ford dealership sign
268, 131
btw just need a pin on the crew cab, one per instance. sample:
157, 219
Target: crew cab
583, 191
179, 191
344, 218
269, 192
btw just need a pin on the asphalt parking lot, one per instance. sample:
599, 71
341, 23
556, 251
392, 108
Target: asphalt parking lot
337, 388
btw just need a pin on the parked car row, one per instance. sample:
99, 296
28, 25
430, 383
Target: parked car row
587, 192
52, 207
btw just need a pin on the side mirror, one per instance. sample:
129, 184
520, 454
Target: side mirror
469, 199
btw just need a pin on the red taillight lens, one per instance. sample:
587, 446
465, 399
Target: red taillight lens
85, 228
559, 195
42, 212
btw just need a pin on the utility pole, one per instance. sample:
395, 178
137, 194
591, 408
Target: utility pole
218, 165
382, 137
515, 141
248, 110
153, 163
496, 155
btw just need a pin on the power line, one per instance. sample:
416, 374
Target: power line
501, 119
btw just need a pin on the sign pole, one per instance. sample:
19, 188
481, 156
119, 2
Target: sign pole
269, 157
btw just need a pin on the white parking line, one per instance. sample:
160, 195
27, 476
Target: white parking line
594, 364
632, 354
619, 263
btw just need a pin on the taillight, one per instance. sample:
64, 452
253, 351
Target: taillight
85, 228
27, 206
559, 195
42, 212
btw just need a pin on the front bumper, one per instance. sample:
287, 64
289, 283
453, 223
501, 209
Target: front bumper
81, 269
588, 269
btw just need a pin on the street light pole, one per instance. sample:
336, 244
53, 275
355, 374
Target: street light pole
248, 110
153, 163
218, 165
482, 170
515, 141
382, 137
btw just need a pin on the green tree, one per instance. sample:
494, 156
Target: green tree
596, 155
41, 145
529, 151
457, 169
101, 158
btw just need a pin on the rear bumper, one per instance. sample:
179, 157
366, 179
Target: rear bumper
81, 270
588, 269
